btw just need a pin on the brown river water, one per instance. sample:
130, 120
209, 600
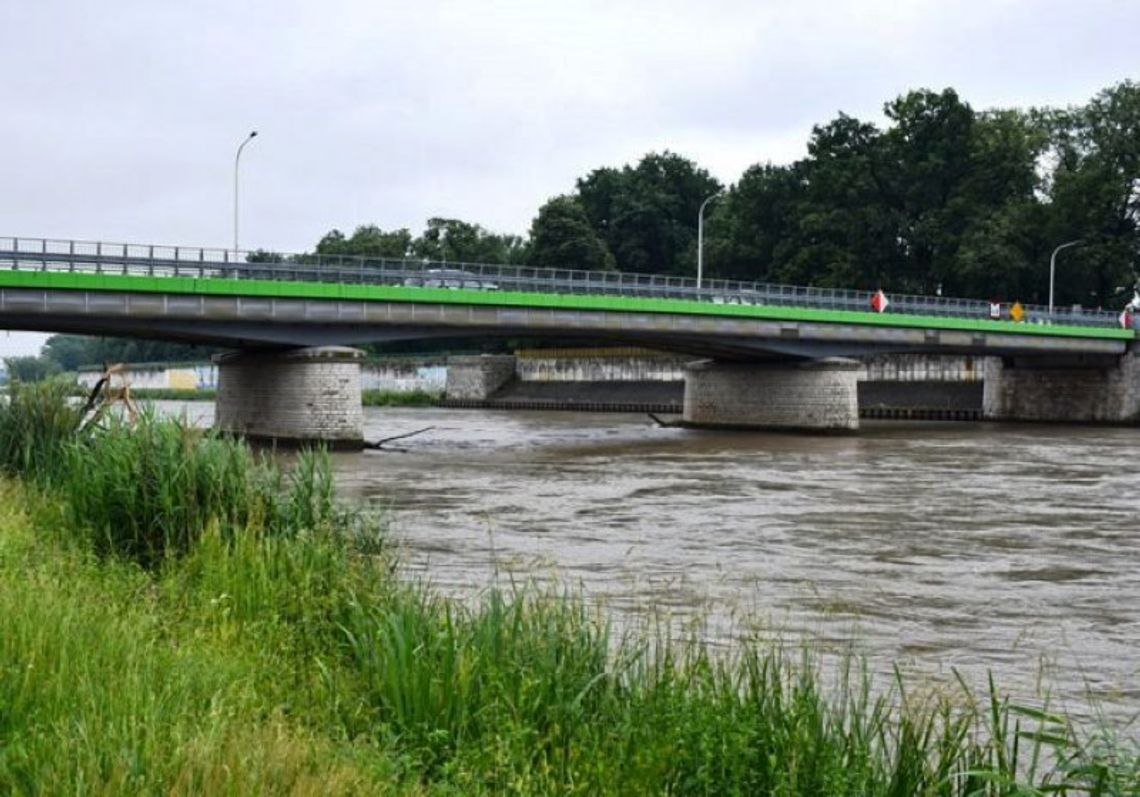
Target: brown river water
946, 547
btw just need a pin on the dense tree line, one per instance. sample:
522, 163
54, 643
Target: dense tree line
948, 198
943, 198
70, 352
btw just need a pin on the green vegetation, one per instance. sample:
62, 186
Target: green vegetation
37, 426
941, 198
71, 352
30, 369
173, 394
270, 649
400, 398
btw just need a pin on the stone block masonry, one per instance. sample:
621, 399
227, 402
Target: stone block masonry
478, 377
817, 395
301, 396
1060, 389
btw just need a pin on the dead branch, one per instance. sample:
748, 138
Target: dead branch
105, 394
379, 444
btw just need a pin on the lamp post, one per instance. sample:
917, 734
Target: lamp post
1053, 268
237, 160
701, 237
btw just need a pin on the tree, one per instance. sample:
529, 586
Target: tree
1094, 195
561, 237
367, 240
265, 256
69, 352
455, 240
647, 214
747, 234
30, 369
845, 230
442, 239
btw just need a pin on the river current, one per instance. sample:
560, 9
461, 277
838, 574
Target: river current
933, 547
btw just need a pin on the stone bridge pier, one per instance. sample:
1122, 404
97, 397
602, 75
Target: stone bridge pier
297, 397
476, 377
813, 395
1064, 388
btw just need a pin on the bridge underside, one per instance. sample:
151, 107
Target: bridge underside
261, 323
762, 373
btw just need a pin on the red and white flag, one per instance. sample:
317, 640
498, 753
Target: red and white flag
879, 301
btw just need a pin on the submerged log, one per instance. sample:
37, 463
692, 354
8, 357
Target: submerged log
379, 444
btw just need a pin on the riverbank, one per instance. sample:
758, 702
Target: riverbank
178, 616
369, 398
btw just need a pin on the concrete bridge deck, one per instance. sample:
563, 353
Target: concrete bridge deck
204, 296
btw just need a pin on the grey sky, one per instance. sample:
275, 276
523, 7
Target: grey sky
120, 119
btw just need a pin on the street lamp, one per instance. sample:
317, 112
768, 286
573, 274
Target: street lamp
1053, 268
237, 159
701, 237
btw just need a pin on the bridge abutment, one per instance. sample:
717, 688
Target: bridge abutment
814, 395
477, 377
301, 396
1063, 389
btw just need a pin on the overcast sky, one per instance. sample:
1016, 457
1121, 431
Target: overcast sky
120, 119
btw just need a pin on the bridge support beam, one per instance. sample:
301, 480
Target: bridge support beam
1063, 389
816, 395
298, 397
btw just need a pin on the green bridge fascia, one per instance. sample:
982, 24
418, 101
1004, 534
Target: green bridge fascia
281, 289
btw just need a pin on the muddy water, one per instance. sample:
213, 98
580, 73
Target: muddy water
973, 547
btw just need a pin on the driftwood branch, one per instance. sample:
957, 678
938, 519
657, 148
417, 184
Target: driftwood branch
665, 424
93, 397
104, 395
379, 444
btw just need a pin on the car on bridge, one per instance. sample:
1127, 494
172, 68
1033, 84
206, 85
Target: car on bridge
450, 278
743, 296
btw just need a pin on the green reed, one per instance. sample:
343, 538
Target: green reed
150, 489
37, 423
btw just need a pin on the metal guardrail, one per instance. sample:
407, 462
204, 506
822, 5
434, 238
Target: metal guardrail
42, 254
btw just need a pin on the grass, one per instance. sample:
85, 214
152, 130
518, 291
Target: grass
150, 491
400, 398
259, 641
174, 394
37, 424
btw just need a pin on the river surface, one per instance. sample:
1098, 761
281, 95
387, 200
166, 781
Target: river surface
934, 547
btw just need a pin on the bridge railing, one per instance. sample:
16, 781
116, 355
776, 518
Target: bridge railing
96, 257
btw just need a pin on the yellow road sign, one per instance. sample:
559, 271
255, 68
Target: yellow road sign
1016, 311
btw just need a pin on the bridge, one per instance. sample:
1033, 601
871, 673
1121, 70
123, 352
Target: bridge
776, 354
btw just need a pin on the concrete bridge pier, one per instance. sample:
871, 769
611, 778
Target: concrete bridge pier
813, 395
297, 397
1063, 388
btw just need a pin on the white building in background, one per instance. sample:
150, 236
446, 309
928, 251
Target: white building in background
400, 376
161, 377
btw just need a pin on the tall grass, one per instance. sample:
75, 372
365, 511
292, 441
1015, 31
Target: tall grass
178, 616
115, 680
150, 490
37, 424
